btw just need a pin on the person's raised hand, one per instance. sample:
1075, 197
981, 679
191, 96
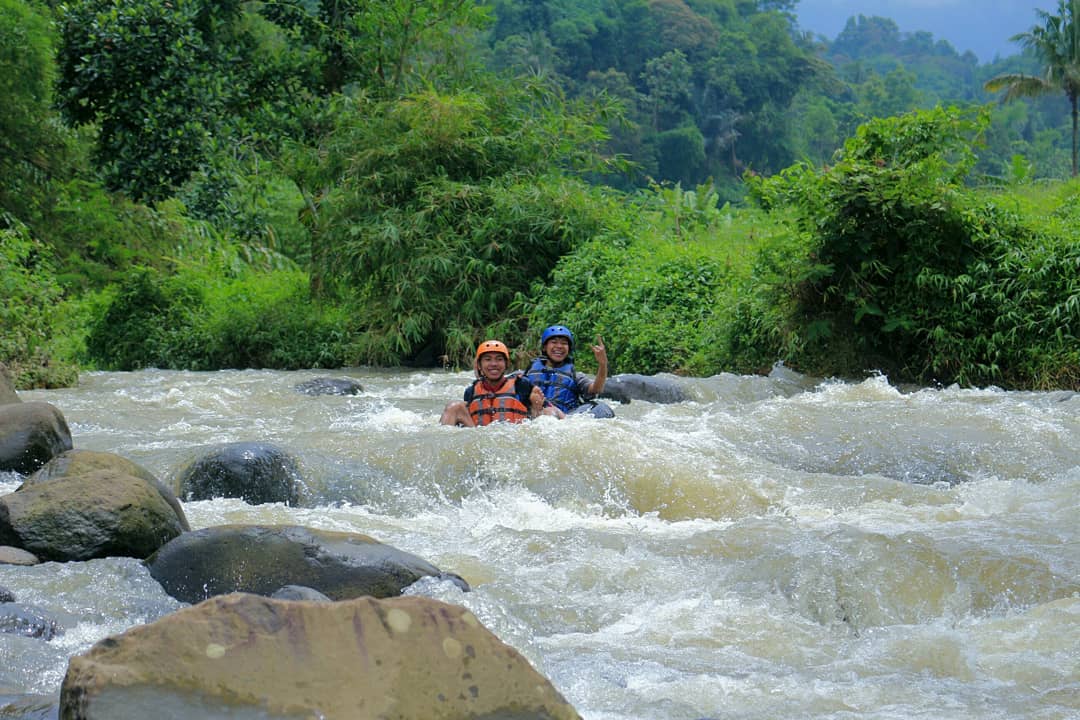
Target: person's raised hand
599, 351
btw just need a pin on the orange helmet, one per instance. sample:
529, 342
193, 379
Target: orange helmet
492, 346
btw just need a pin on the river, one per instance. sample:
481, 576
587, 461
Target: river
774, 547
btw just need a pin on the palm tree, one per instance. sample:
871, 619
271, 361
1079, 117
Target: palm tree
1057, 43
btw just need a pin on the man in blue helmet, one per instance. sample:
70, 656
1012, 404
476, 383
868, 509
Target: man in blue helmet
553, 372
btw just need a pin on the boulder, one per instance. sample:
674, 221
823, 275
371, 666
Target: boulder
79, 462
330, 386
255, 472
6, 596
97, 514
7, 387
299, 592
262, 559
28, 707
16, 556
244, 656
31, 434
651, 388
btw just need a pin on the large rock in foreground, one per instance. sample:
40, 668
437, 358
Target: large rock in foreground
263, 559
255, 472
31, 434
650, 388
94, 515
79, 462
243, 656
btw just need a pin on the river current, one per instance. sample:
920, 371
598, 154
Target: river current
774, 547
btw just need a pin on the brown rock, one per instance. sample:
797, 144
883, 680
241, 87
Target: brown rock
16, 556
246, 656
79, 462
97, 514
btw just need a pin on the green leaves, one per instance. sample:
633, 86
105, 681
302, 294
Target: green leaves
926, 280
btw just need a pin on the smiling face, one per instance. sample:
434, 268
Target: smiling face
492, 365
557, 349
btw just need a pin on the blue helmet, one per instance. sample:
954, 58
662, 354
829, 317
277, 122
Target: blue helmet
556, 331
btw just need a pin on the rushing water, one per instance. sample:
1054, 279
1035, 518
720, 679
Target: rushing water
773, 548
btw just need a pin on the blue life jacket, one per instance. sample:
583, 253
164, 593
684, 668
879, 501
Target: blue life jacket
558, 384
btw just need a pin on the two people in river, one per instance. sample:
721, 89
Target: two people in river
550, 386
496, 396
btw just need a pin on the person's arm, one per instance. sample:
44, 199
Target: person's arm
600, 352
536, 402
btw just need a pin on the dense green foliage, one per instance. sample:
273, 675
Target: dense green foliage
328, 182
911, 274
28, 294
253, 321
442, 227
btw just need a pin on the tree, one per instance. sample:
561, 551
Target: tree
32, 142
1057, 43
144, 72
443, 207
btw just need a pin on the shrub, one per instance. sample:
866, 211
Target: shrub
28, 301
914, 274
201, 319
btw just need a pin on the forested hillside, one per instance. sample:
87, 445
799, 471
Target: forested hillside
316, 183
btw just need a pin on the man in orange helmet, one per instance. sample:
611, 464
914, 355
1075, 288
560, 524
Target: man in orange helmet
495, 397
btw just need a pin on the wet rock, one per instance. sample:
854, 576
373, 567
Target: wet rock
255, 472
651, 388
244, 656
29, 707
31, 434
16, 556
25, 620
97, 514
299, 592
7, 387
261, 559
330, 386
6, 596
79, 462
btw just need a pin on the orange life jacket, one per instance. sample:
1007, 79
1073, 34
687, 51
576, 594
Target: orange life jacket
502, 405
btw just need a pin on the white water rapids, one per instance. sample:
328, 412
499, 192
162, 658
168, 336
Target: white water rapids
775, 547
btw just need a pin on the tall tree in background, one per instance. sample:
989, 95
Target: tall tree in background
32, 142
1057, 43
148, 74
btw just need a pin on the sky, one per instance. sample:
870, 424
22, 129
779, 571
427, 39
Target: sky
982, 26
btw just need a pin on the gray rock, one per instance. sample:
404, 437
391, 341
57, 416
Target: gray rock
7, 387
29, 707
330, 386
254, 472
93, 515
16, 556
262, 559
651, 388
79, 462
299, 592
243, 656
31, 434
6, 596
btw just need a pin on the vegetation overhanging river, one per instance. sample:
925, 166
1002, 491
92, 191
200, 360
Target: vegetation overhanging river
776, 547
